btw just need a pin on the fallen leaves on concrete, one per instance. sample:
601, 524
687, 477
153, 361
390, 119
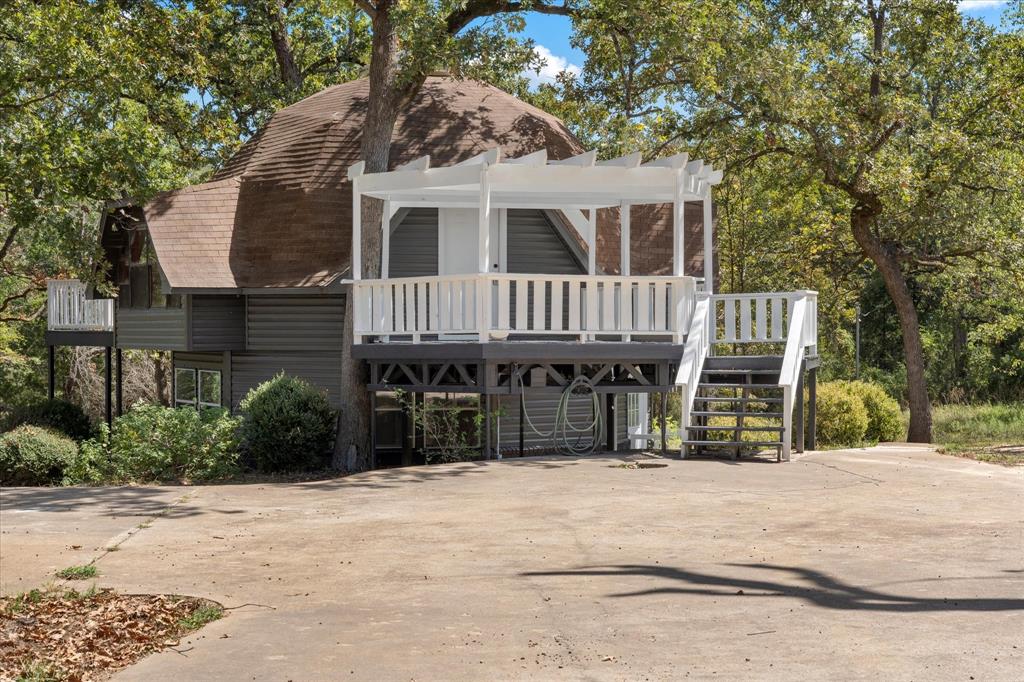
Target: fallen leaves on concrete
66, 635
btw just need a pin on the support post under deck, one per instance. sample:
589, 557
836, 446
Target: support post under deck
662, 423
799, 416
52, 373
812, 412
107, 385
119, 401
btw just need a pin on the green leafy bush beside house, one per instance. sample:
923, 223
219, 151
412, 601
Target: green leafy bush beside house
151, 443
32, 455
287, 425
842, 418
885, 421
57, 415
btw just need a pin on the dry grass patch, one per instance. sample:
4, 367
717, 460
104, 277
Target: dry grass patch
69, 635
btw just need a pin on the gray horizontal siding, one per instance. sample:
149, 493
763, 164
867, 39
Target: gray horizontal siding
413, 250
542, 410
322, 369
299, 323
218, 322
151, 328
534, 245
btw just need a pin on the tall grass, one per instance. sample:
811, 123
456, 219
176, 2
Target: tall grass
986, 424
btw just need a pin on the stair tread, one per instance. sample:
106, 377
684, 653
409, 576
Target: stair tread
734, 443
719, 413
724, 384
722, 399
697, 427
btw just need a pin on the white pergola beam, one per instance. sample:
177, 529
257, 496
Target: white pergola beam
489, 157
420, 164
355, 173
584, 160
675, 162
592, 243
631, 160
679, 229
537, 158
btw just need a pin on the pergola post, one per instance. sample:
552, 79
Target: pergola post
678, 228
385, 240
709, 245
624, 239
592, 242
483, 291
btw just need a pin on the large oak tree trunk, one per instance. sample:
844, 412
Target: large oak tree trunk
913, 350
352, 450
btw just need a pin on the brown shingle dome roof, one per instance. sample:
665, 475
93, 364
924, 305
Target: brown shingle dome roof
278, 214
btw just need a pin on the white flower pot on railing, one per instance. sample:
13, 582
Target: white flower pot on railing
68, 309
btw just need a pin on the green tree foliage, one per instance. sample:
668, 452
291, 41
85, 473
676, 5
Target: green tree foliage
907, 118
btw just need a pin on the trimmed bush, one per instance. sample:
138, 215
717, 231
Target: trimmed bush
842, 418
885, 422
31, 455
57, 415
152, 443
287, 425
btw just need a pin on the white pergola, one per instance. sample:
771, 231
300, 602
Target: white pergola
574, 185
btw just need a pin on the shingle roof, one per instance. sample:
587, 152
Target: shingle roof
278, 214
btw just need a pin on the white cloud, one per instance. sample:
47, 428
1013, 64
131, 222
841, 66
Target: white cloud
970, 5
553, 66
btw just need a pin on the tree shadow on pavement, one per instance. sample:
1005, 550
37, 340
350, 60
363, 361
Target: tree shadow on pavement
108, 501
819, 589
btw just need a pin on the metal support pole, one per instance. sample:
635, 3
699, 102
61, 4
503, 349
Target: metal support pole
52, 372
522, 433
120, 383
610, 422
488, 453
812, 412
662, 423
373, 429
108, 380
856, 362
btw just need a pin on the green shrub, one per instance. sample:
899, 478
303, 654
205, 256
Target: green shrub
58, 415
842, 418
287, 425
31, 455
154, 443
885, 422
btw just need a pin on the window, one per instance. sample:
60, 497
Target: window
209, 388
184, 387
197, 388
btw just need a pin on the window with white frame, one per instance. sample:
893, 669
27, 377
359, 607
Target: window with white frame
197, 388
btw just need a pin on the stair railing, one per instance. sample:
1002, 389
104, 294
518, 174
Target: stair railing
698, 344
802, 336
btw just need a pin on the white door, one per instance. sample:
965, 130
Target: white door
458, 232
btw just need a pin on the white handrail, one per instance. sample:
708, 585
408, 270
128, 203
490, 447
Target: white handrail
698, 343
803, 335
67, 308
496, 305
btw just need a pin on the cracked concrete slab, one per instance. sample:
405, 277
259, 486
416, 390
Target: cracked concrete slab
890, 562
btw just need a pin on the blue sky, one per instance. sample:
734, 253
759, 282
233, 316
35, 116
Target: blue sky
552, 33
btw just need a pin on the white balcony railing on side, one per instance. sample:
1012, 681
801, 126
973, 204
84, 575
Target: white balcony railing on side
67, 308
499, 305
752, 318
803, 336
698, 344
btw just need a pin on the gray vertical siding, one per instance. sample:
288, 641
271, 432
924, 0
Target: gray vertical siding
151, 328
295, 323
413, 251
218, 322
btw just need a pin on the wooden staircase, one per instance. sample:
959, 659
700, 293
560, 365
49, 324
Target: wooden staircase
738, 409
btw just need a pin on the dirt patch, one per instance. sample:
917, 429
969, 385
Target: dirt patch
67, 635
1006, 455
641, 465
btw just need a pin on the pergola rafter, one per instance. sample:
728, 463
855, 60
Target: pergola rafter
573, 185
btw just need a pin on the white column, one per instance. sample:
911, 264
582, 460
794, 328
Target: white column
709, 244
592, 243
357, 229
484, 237
624, 239
678, 229
385, 240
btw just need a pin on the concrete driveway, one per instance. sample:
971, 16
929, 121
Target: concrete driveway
891, 563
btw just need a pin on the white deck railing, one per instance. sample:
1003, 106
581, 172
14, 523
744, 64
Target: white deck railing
484, 307
67, 308
803, 336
